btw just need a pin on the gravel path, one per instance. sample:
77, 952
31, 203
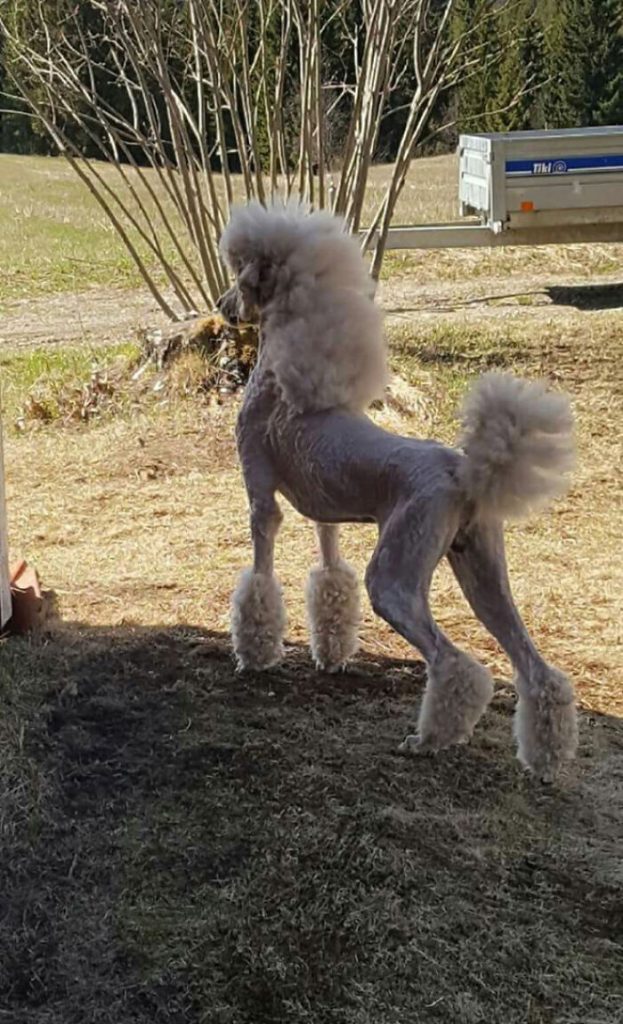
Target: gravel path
103, 315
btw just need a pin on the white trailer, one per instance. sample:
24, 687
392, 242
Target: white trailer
532, 188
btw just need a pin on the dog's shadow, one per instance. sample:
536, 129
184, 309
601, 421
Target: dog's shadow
129, 699
155, 803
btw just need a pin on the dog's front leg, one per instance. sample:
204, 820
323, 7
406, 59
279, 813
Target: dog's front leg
257, 613
333, 607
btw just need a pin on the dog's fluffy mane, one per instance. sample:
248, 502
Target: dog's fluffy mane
322, 332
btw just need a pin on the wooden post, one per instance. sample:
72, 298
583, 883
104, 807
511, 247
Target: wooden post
5, 583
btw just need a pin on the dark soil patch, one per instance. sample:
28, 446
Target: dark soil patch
181, 844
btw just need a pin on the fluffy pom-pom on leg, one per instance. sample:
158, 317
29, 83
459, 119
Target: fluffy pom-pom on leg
258, 620
545, 726
334, 613
457, 693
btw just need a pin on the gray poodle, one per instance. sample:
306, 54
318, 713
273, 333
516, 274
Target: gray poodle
302, 431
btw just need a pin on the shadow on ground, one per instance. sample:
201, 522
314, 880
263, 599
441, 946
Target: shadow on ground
581, 296
587, 296
181, 844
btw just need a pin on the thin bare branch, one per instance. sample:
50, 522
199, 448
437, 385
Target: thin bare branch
210, 104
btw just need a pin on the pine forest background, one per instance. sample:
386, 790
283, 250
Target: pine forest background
562, 67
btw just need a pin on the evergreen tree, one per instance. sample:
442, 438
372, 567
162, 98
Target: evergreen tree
607, 78
565, 56
569, 61
475, 92
520, 75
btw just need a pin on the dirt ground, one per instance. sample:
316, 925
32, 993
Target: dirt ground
182, 845
95, 316
101, 315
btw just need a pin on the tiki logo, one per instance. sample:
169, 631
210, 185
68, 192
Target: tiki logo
549, 167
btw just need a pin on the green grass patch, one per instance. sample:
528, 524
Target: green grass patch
450, 356
48, 385
467, 348
54, 236
535, 263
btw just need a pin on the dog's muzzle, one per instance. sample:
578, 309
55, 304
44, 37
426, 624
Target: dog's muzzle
228, 305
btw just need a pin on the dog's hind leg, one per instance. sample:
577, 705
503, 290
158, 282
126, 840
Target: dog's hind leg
545, 720
332, 597
398, 579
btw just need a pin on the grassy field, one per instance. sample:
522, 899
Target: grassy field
180, 844
54, 236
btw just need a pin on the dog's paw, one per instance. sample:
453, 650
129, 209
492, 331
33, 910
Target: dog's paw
410, 745
431, 744
333, 612
457, 693
546, 726
331, 667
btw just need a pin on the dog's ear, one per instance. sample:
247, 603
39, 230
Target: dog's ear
257, 282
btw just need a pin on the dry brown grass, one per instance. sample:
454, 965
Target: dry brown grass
148, 522
181, 845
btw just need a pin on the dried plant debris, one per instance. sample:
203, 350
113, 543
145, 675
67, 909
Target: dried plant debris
228, 352
65, 401
202, 356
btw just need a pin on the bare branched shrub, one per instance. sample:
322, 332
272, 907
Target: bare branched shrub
195, 104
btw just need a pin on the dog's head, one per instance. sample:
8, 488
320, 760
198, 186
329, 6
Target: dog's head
257, 244
231, 306
284, 250
304, 277
249, 294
